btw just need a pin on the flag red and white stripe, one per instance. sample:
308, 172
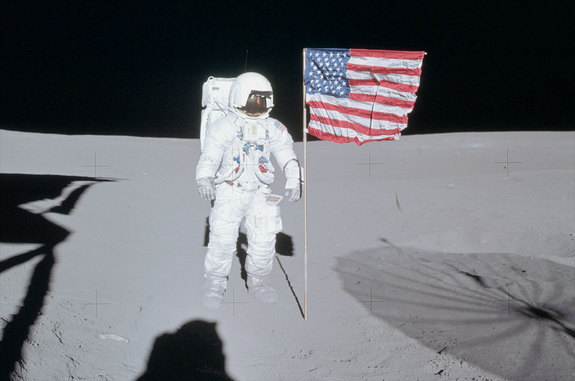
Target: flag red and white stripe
360, 95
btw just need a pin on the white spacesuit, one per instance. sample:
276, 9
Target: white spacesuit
235, 171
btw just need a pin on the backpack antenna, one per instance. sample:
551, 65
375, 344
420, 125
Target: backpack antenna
246, 64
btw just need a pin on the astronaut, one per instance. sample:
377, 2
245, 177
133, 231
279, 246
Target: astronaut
235, 173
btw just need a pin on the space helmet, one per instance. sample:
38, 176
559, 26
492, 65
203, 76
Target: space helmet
251, 96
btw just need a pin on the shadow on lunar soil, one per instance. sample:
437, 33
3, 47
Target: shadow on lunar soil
193, 352
284, 247
29, 226
284, 242
509, 314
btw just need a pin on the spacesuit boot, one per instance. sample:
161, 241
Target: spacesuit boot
214, 289
261, 289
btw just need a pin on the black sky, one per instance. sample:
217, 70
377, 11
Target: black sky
136, 67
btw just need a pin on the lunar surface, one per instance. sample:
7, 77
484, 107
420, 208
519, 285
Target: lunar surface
437, 257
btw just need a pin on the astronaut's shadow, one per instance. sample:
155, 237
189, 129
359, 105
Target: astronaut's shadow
284, 247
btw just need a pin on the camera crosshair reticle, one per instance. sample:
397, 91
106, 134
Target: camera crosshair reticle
95, 165
370, 163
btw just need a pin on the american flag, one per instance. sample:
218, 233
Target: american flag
360, 95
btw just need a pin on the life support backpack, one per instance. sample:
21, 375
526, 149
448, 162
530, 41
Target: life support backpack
215, 102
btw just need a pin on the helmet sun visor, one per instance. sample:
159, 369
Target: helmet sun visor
258, 103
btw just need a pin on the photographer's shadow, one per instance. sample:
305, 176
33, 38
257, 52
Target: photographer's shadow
193, 352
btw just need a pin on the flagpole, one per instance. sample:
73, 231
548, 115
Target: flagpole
304, 190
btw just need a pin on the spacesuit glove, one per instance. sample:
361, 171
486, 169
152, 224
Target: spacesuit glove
294, 183
293, 194
206, 188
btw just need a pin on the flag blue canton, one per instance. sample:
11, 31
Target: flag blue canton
326, 72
